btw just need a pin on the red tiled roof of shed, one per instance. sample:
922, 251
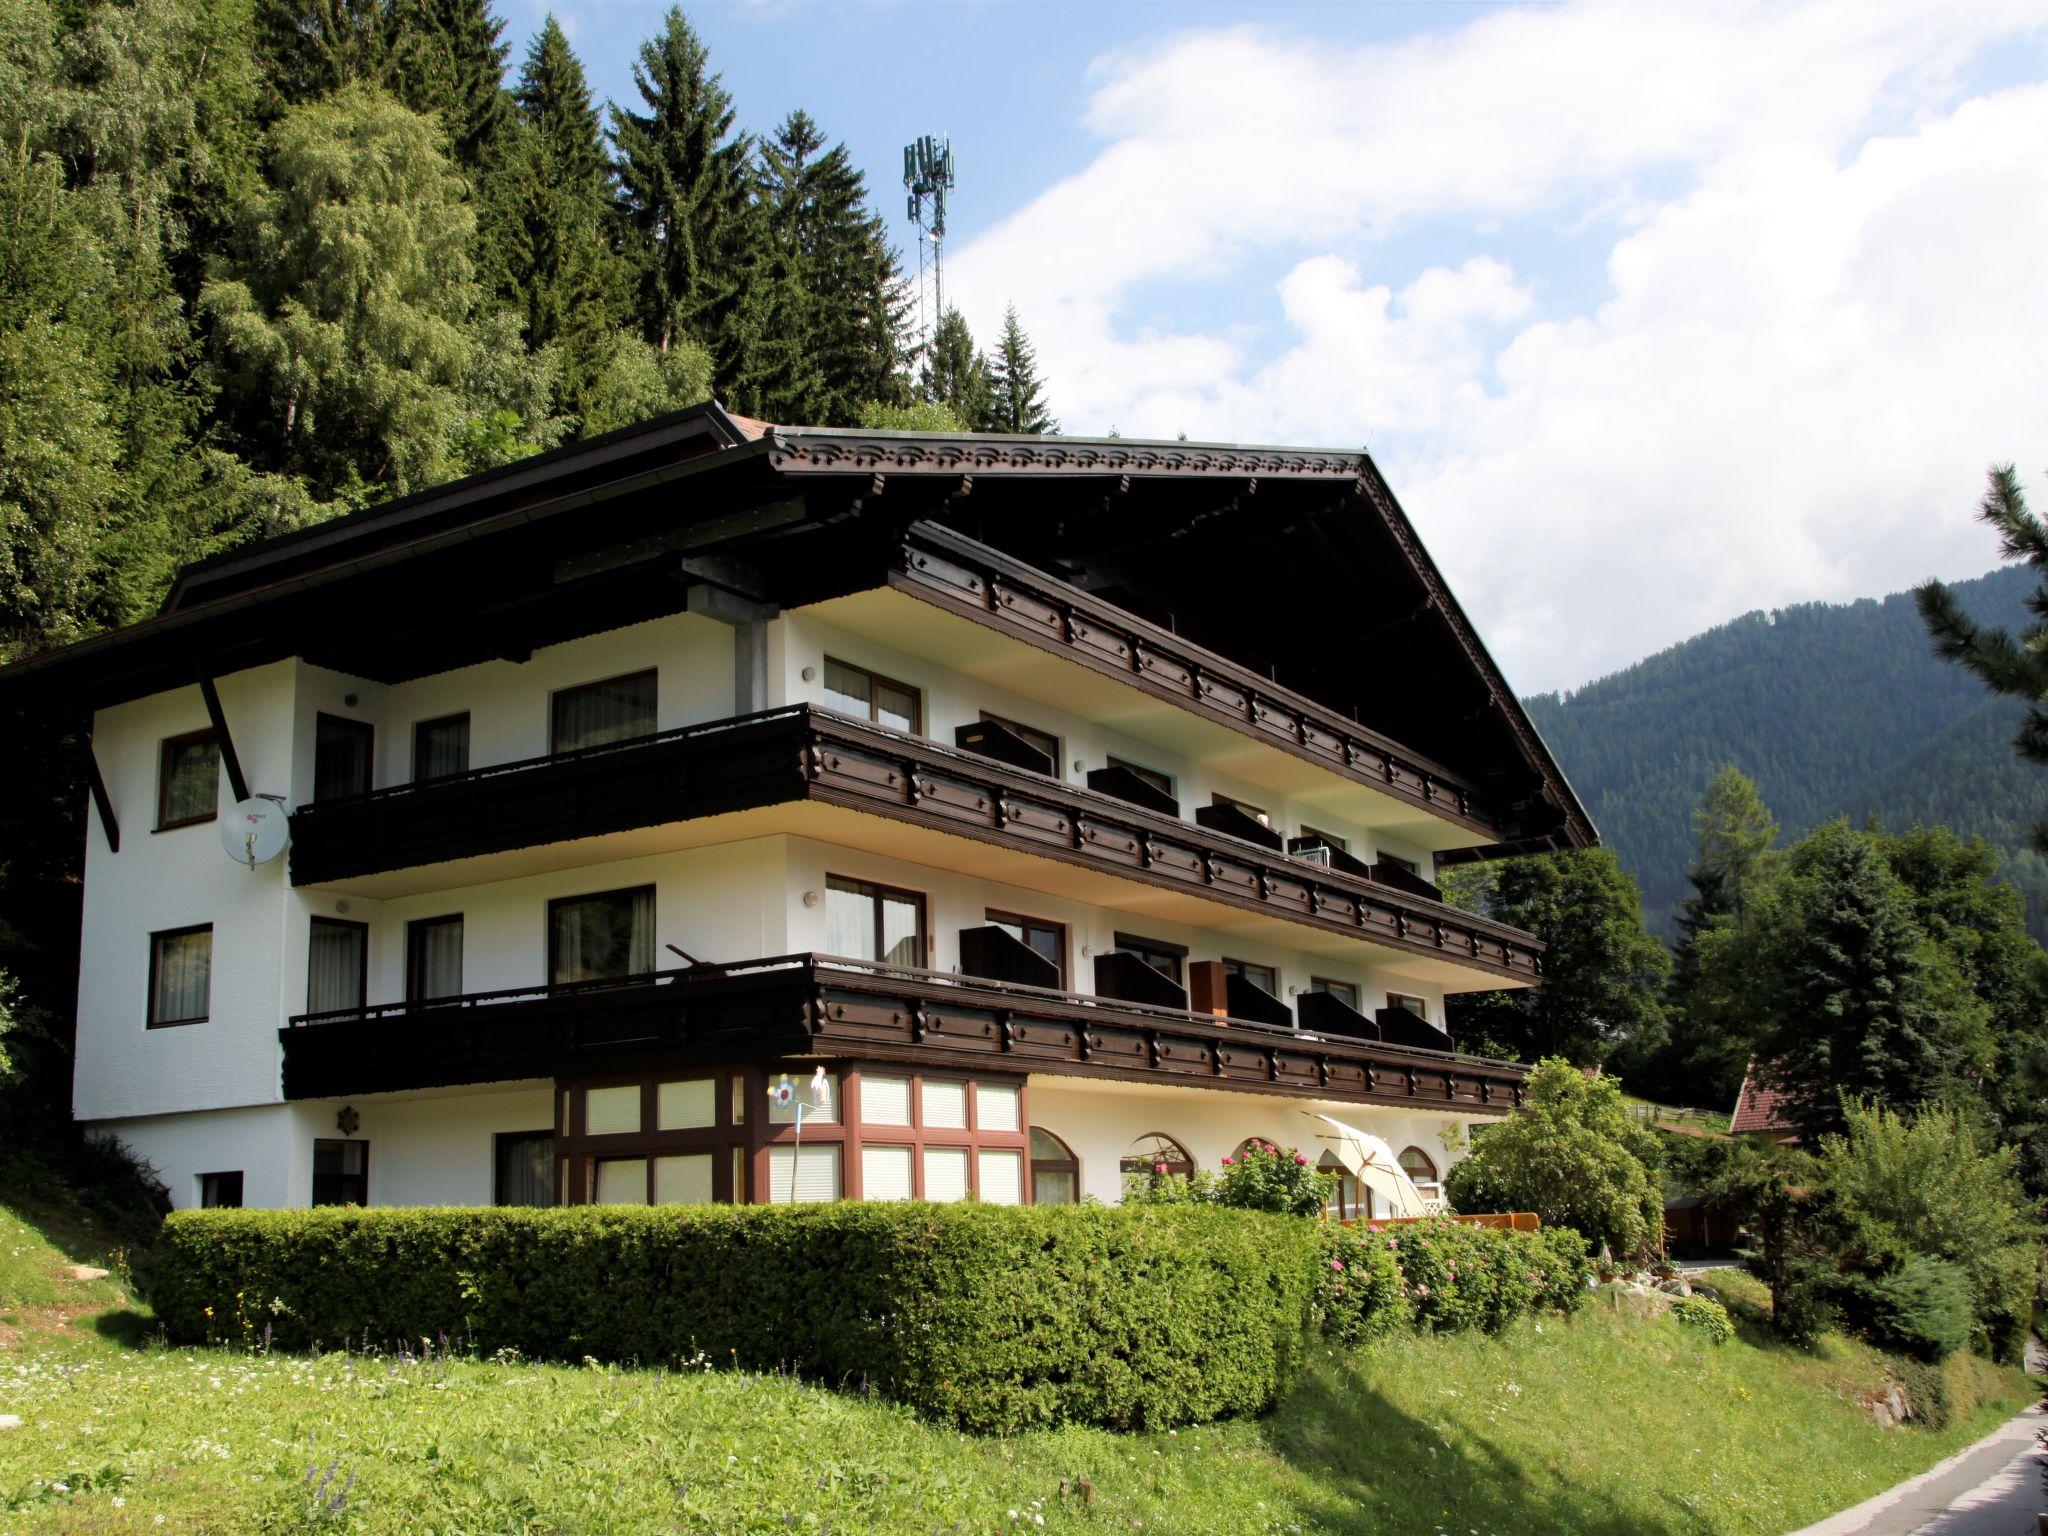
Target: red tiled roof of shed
1757, 1107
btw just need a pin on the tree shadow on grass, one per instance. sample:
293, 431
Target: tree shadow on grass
1370, 1467
126, 1327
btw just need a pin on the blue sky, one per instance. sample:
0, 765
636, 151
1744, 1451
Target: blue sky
1653, 313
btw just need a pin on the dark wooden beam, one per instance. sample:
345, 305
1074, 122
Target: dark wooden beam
100, 802
229, 758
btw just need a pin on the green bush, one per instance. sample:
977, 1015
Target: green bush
1922, 1308
1564, 1280
1451, 1276
1360, 1293
995, 1318
1704, 1316
1942, 1393
1264, 1178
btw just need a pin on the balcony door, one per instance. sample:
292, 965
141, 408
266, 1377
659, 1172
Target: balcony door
864, 921
337, 965
600, 714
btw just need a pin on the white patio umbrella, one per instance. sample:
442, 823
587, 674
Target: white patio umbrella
1373, 1163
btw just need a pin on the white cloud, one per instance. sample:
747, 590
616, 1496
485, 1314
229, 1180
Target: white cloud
1820, 322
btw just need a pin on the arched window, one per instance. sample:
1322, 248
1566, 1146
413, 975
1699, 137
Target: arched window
1055, 1171
1421, 1173
1157, 1153
1347, 1201
1248, 1143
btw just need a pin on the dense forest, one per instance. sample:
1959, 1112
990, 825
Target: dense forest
1831, 709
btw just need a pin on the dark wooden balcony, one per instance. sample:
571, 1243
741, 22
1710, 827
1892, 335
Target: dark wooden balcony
802, 753
816, 1005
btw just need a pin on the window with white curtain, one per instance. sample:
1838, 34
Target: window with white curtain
440, 747
864, 921
599, 714
601, 937
188, 780
1002, 1178
1055, 1171
433, 958
945, 1173
337, 957
885, 1173
180, 975
807, 1175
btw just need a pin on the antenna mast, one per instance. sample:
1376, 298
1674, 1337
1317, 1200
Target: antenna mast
927, 178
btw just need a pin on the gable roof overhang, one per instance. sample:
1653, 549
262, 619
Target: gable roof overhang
1299, 564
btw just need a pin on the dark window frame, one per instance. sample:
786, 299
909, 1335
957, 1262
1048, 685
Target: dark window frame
238, 1188
924, 915
1137, 944
1034, 736
555, 695
1345, 992
420, 727
150, 1021
1403, 999
1245, 968
1341, 844
875, 678
997, 915
1157, 778
1406, 866
562, 901
362, 957
413, 928
1435, 1178
1258, 813
163, 779
498, 1141
367, 730
342, 1141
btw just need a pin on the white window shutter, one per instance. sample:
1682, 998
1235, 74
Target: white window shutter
683, 1180
610, 1111
816, 1175
995, 1107
885, 1101
686, 1106
1002, 1178
945, 1105
945, 1173
885, 1173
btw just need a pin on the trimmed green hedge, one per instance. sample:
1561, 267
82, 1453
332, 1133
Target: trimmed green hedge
995, 1318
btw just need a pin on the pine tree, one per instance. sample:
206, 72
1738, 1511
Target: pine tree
1016, 395
566, 281
683, 188
452, 64
2015, 665
955, 375
852, 309
1734, 830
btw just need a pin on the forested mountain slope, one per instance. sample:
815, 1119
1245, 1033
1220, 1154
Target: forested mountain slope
1830, 708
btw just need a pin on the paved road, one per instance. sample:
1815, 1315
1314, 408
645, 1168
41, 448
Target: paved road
1992, 1489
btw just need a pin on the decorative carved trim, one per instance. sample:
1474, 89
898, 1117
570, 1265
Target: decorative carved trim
799, 451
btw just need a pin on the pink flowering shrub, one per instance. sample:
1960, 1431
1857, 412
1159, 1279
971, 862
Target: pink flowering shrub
1443, 1277
1360, 1294
1263, 1177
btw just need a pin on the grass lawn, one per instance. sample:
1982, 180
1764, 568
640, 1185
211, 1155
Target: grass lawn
1603, 1425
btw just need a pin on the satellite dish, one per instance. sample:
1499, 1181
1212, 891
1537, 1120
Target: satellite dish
255, 831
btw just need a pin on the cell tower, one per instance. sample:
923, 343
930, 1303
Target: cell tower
927, 178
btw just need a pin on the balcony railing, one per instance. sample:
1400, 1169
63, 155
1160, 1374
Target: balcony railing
805, 753
814, 1005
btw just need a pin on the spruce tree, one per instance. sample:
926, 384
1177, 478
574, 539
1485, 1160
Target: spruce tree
1016, 395
565, 279
683, 188
1734, 830
955, 375
2007, 663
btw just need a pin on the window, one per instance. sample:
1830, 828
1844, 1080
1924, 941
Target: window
1031, 736
601, 937
1346, 992
1329, 839
611, 1111
337, 965
599, 714
1163, 782
1155, 1155
885, 1173
807, 1095
1421, 1173
1049, 939
689, 1105
806, 1175
1163, 957
945, 1173
1344, 1203
1253, 811
187, 780
343, 751
180, 975
1000, 1177
440, 747
618, 1181
884, 1100
1406, 866
683, 1179
1055, 1171
341, 1172
433, 958
869, 696
874, 922
220, 1191
945, 1104
1264, 977
1415, 1005
997, 1107
525, 1168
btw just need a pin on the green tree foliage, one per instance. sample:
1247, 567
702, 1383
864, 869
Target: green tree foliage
917, 416
2015, 665
1573, 1154
1830, 709
683, 185
1603, 975
955, 374
1841, 986
1016, 395
344, 319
